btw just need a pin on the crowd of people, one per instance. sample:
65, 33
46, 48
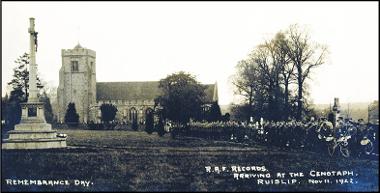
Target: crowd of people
311, 134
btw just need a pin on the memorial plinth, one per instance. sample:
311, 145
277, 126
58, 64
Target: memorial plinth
33, 132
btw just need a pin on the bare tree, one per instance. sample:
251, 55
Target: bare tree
287, 68
258, 80
245, 80
264, 78
305, 55
270, 68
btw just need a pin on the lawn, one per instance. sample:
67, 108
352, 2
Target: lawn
136, 161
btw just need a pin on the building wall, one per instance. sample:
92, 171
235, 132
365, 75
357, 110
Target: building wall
124, 108
77, 86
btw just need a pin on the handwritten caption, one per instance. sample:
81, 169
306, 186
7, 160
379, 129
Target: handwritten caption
263, 176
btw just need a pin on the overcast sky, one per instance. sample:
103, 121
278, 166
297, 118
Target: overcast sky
141, 41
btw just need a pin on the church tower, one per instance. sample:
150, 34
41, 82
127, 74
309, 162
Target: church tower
77, 82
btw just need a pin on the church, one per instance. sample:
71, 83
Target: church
77, 84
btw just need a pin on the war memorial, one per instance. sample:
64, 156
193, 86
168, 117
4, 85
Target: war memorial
33, 132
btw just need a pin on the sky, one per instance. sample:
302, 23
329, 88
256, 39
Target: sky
146, 41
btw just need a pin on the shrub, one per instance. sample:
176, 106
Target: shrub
108, 112
71, 116
160, 128
149, 125
134, 125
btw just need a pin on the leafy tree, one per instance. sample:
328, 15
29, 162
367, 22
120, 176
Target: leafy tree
108, 112
149, 122
19, 93
160, 127
71, 116
240, 112
14, 108
182, 97
135, 125
214, 114
4, 111
4, 101
20, 79
48, 110
226, 117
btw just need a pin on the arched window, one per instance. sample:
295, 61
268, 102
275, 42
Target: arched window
74, 66
133, 114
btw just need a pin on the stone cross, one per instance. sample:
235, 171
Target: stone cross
33, 66
33, 132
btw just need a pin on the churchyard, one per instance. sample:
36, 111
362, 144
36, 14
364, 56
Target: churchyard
136, 161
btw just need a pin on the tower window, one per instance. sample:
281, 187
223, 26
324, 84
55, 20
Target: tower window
74, 66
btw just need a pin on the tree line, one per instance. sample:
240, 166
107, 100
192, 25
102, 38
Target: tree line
273, 78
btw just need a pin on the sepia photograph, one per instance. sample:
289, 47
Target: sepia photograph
190, 96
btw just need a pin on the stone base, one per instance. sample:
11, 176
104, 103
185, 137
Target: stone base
33, 136
30, 134
34, 143
32, 126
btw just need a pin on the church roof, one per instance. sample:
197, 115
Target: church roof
146, 90
211, 92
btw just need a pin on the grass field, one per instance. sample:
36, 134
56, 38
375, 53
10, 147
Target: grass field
136, 161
